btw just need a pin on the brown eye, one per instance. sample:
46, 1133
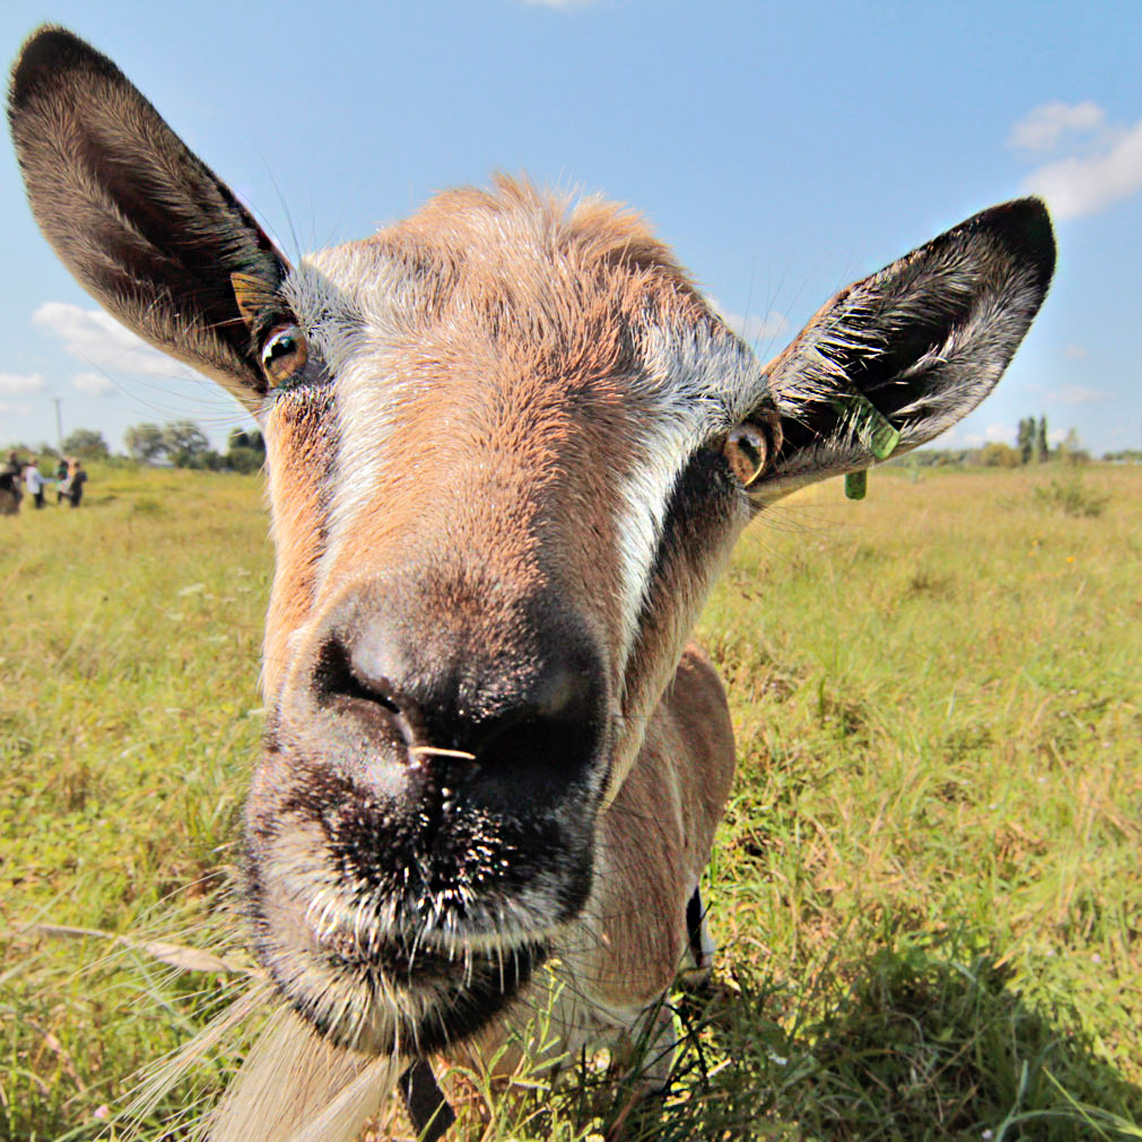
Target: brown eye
748, 450
284, 354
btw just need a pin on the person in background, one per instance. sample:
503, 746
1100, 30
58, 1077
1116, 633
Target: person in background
62, 473
77, 477
34, 482
10, 490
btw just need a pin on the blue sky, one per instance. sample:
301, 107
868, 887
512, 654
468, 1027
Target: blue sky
783, 149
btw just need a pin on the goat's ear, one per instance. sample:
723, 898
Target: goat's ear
146, 228
911, 349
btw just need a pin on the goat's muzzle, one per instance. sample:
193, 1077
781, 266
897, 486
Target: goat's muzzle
423, 820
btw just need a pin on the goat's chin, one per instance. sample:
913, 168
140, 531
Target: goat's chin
392, 998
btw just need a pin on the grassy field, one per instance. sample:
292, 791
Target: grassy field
926, 889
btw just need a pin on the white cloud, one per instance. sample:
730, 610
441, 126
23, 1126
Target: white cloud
1076, 394
1108, 168
98, 339
97, 384
994, 433
1075, 353
10, 409
14, 383
1044, 127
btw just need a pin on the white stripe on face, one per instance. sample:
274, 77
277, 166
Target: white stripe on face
698, 381
354, 304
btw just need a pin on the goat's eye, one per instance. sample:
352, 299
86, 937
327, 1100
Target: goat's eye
748, 451
284, 354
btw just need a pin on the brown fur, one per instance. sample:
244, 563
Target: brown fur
299, 502
657, 836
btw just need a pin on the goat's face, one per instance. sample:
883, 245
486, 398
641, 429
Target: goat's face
508, 447
496, 469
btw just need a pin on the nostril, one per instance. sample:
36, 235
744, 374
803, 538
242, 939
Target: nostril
541, 745
334, 679
564, 692
533, 757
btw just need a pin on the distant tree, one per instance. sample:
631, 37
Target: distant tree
1025, 440
183, 442
246, 438
247, 451
998, 455
144, 442
210, 460
1072, 450
244, 460
87, 443
1042, 448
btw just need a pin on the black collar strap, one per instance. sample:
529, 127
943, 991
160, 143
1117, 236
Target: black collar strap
428, 1109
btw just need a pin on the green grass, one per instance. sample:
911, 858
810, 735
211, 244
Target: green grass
925, 889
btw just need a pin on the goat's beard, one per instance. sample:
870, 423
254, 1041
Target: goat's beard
390, 938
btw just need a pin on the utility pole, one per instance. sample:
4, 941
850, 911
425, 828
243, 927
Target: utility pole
59, 426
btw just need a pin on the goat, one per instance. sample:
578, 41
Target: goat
509, 447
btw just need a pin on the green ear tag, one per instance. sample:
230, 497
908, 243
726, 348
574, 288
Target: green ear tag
873, 429
856, 484
869, 425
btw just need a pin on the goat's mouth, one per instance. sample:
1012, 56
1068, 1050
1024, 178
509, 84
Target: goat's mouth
386, 945
393, 995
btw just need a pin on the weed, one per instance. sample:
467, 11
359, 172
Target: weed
146, 506
1072, 497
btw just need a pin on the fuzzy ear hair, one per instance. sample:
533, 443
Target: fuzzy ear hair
146, 227
911, 349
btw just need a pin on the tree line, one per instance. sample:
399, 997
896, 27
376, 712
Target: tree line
1032, 446
180, 443
184, 445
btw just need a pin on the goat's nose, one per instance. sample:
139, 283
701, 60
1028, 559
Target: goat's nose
502, 731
